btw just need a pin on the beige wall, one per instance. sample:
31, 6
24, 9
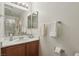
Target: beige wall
68, 13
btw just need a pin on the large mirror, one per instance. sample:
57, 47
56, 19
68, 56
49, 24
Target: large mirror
13, 21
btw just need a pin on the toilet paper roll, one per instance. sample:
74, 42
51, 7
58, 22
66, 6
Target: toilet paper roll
58, 50
76, 54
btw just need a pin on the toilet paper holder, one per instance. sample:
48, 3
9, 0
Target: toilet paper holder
59, 51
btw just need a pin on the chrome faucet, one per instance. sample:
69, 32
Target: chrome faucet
11, 37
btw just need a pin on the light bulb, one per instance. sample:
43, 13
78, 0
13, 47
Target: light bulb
23, 3
27, 5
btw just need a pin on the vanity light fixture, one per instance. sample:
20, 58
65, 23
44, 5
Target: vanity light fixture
22, 4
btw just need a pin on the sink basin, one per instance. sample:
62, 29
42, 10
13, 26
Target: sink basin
14, 41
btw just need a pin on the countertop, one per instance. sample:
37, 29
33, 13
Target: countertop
15, 42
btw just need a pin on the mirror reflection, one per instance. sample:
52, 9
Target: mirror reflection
33, 20
12, 26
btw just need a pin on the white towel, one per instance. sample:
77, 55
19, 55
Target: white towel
44, 30
53, 29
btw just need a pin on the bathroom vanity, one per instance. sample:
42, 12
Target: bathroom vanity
20, 48
18, 38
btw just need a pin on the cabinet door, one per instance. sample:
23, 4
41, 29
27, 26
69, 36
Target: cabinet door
3, 51
18, 50
32, 48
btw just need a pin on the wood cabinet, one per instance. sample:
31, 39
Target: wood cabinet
32, 48
16, 50
26, 49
